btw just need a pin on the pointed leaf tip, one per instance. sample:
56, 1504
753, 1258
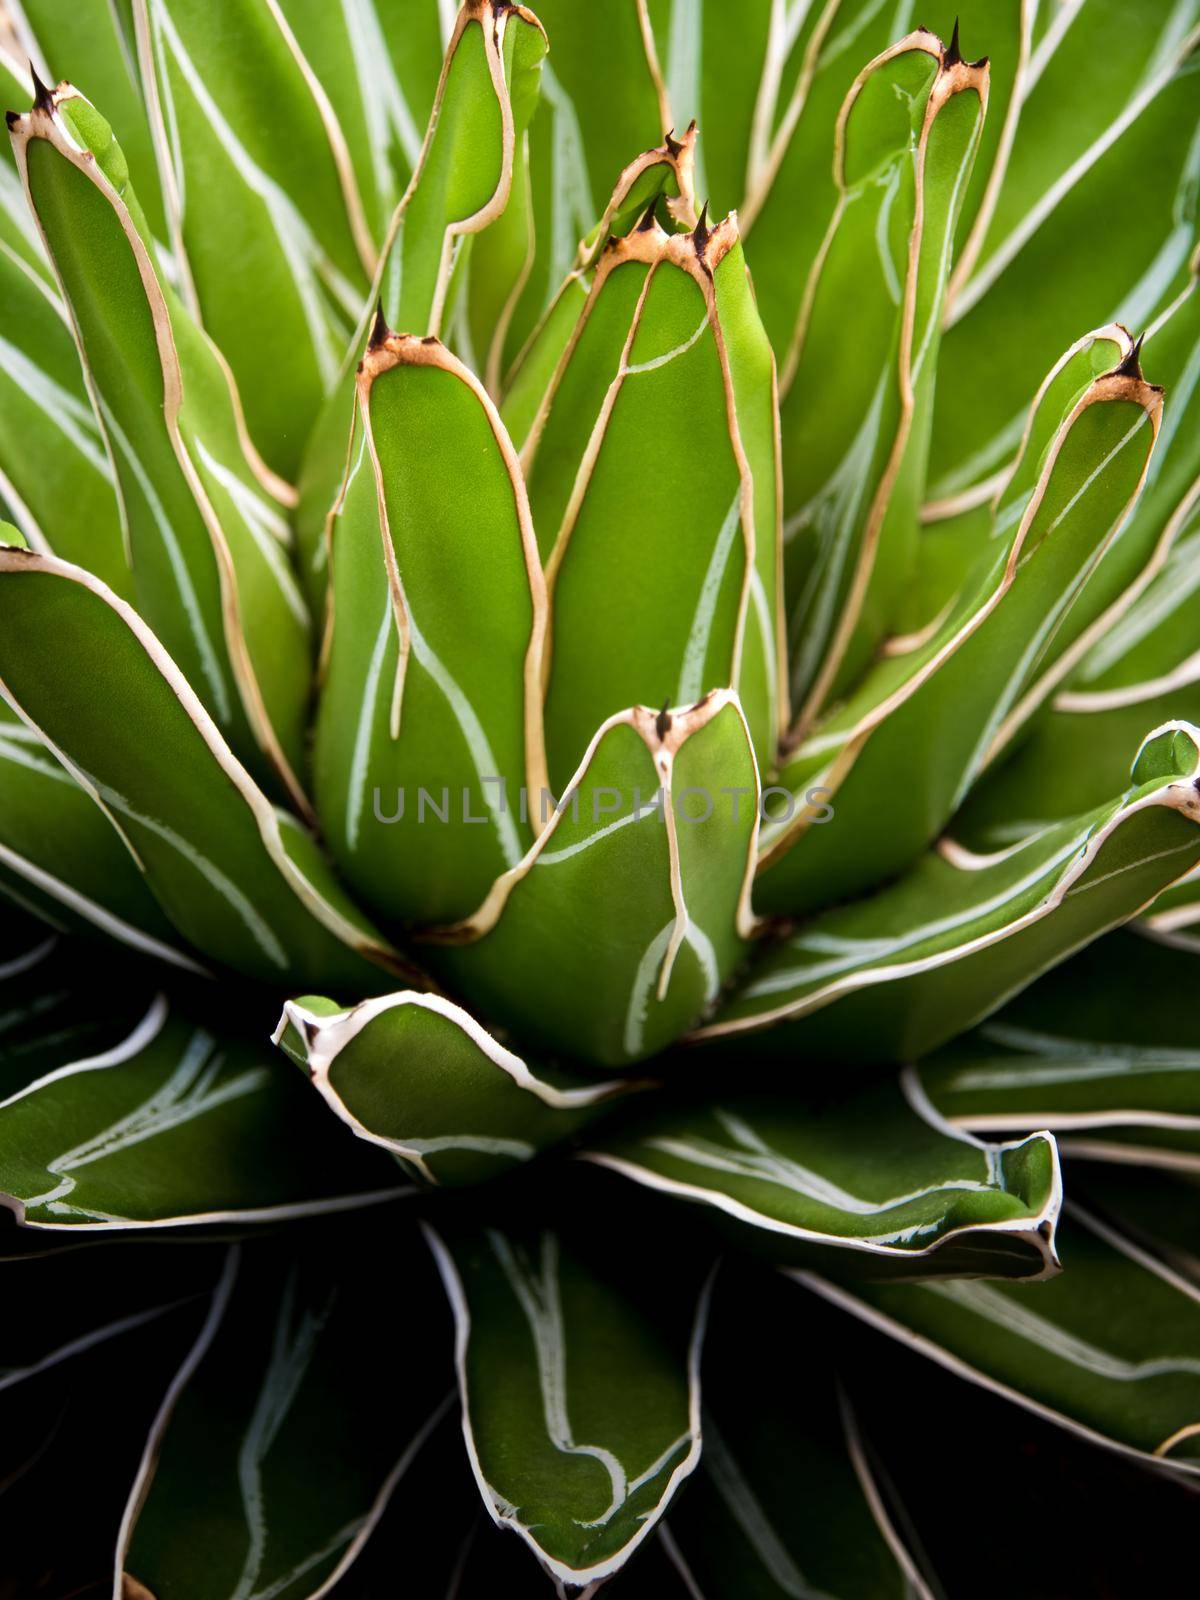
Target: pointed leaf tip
43, 98
379, 328
649, 217
1131, 367
662, 723
953, 55
702, 233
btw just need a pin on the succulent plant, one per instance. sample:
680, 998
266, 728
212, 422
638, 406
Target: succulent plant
596, 719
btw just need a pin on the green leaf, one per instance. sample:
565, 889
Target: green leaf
59, 1000
59, 855
240, 880
379, 67
251, 153
714, 63
947, 692
417, 1075
1110, 1349
181, 1122
895, 975
579, 1376
233, 1462
785, 1502
1108, 131
955, 532
1162, 514
433, 683
602, 86
1005, 32
206, 543
1144, 671
1091, 72
856, 432
1101, 1051
791, 193
665, 172
668, 384
655, 837
55, 476
96, 50
462, 183
874, 1176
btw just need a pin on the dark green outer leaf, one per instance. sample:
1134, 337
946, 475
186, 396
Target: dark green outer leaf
579, 1379
178, 1124
1101, 1051
70, 651
876, 1180
275, 1450
1110, 1349
786, 1504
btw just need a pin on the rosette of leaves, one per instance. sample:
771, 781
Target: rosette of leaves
599, 798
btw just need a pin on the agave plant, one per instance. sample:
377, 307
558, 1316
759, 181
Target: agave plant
616, 757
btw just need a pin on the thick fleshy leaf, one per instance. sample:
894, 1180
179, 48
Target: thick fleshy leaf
606, 95
856, 433
1004, 32
55, 477
59, 1000
874, 1176
97, 50
1110, 1349
1102, 1051
898, 974
580, 1384
206, 543
1063, 128
272, 1387
660, 592
284, 180
60, 857
712, 62
242, 882
1081, 157
433, 682
463, 182
379, 66
417, 1075
1163, 514
946, 692
810, 63
786, 1502
1142, 670
647, 857
525, 291
180, 1122
666, 172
